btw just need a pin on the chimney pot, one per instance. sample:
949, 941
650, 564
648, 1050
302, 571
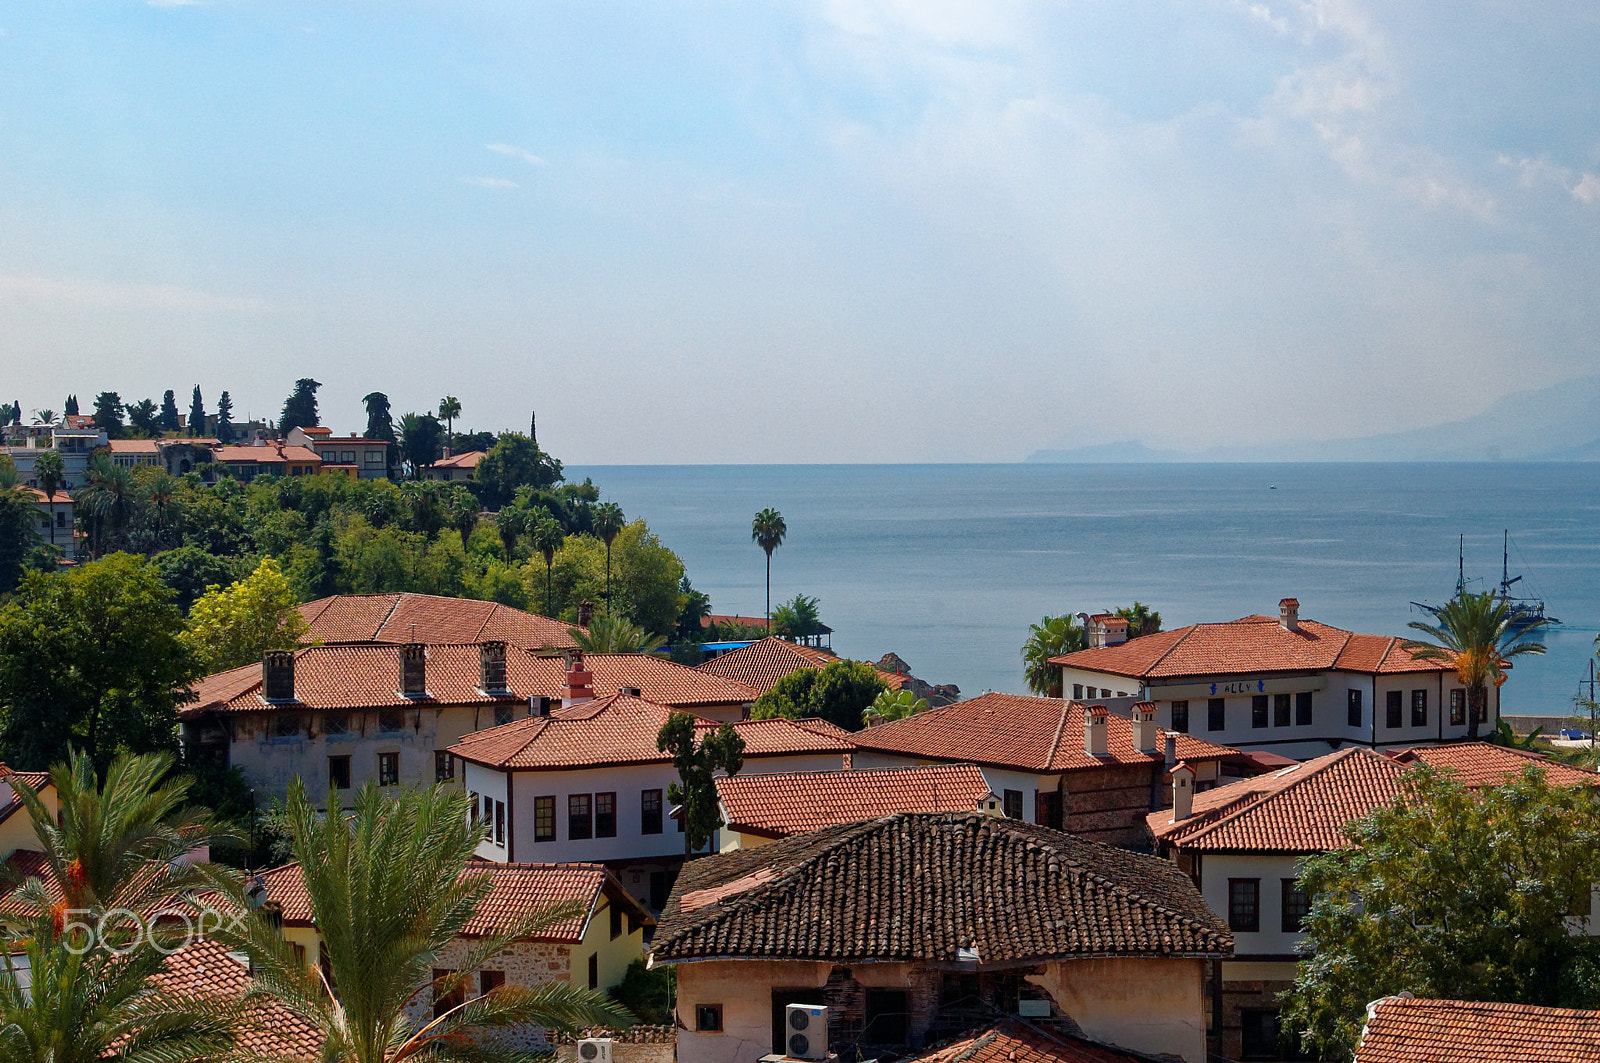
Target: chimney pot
585, 613
1144, 727
277, 675
1289, 614
1095, 725
413, 670
580, 683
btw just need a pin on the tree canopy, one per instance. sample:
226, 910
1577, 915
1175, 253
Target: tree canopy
697, 765
1051, 637
300, 408
236, 625
1479, 634
514, 461
108, 414
840, 693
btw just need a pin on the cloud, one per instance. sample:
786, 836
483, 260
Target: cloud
1588, 189
489, 182
514, 152
123, 296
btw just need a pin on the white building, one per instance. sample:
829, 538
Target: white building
74, 438
1277, 684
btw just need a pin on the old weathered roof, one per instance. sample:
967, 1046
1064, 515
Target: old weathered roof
657, 679
622, 729
203, 969
428, 618
1012, 1040
935, 887
1401, 1030
762, 663
1043, 735
1251, 644
778, 804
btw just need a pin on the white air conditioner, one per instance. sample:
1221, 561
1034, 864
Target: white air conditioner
594, 1050
806, 1031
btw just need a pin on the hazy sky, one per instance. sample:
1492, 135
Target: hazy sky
904, 230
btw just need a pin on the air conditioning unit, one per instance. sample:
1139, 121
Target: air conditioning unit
594, 1050
806, 1029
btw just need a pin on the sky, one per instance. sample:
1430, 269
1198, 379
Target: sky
839, 231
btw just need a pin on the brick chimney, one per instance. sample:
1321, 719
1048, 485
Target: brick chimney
1182, 792
1172, 750
580, 683
492, 667
585, 613
277, 675
413, 670
1095, 724
1145, 734
1289, 614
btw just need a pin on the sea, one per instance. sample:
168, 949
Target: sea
948, 565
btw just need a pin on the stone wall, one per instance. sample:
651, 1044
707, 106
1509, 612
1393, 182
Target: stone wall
524, 963
1109, 804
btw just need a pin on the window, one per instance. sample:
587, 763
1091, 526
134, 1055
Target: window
708, 1017
1180, 717
1104, 692
336, 723
286, 726
1259, 1034
473, 798
594, 970
347, 457
579, 823
1216, 714
616, 920
499, 822
374, 457
502, 714
1280, 710
544, 819
444, 766
1392, 701
1419, 708
886, 1017
649, 811
1302, 709
488, 809
339, 773
1077, 692
444, 1001
1244, 904
1353, 708
1458, 707
489, 981
1258, 710
388, 769
391, 720
1013, 804
605, 815
1295, 906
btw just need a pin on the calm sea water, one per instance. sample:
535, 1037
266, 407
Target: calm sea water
947, 565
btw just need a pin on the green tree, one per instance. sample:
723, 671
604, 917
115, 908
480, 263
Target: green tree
840, 693
514, 461
547, 539
197, 415
697, 765
105, 502
512, 522
767, 531
190, 570
650, 993
144, 418
108, 414
893, 705
380, 421
420, 440
449, 410
696, 607
300, 408
225, 418
18, 528
91, 659
168, 421
797, 618
1477, 634
1050, 637
646, 576
609, 633
392, 892
51, 473
608, 522
237, 625
461, 512
71, 406
1450, 893
1141, 620
46, 416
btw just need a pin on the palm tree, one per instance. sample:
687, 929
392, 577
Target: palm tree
548, 535
1478, 634
106, 499
160, 501
608, 524
511, 521
1050, 637
767, 531
49, 470
609, 633
461, 510
390, 891
449, 410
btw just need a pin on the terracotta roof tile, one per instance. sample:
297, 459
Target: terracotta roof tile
60, 498
657, 679
621, 729
1481, 764
1249, 644
1012, 1040
466, 460
1400, 1030
204, 969
779, 804
922, 888
1020, 731
762, 663
428, 618
274, 454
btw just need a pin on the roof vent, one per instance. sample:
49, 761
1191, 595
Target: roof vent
1182, 792
277, 675
492, 667
414, 670
538, 706
1289, 614
632, 692
1095, 725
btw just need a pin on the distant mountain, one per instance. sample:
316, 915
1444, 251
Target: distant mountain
1559, 423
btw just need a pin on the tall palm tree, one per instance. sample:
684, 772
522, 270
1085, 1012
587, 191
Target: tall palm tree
50, 472
1476, 633
449, 410
1050, 637
609, 633
390, 891
548, 535
767, 531
461, 509
608, 524
106, 500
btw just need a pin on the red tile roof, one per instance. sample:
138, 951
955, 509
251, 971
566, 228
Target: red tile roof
1012, 1040
60, 498
779, 804
519, 890
428, 618
1043, 735
273, 454
1401, 1030
1304, 808
762, 663
657, 679
203, 969
620, 729
465, 460
132, 446
1248, 645
714, 619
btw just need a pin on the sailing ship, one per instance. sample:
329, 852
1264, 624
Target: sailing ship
1527, 611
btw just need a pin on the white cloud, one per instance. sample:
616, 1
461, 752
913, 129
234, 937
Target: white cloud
514, 152
126, 296
489, 182
1588, 189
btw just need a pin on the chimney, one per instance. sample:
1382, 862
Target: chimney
580, 683
1172, 750
538, 706
277, 675
1113, 631
585, 613
1144, 727
1094, 730
1182, 792
632, 692
1289, 614
413, 670
492, 667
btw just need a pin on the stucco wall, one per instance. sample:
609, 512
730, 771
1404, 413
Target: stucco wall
1270, 940
1148, 1005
